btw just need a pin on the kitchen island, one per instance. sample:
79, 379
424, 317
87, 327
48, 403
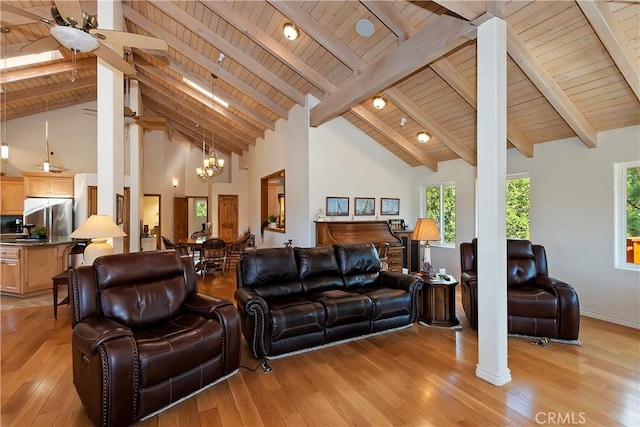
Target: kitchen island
27, 265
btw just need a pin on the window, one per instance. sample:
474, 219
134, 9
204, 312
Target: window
201, 208
518, 204
441, 206
627, 210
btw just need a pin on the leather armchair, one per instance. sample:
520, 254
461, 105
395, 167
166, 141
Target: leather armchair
144, 338
537, 305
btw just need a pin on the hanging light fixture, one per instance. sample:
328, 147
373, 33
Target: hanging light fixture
379, 102
423, 136
46, 165
290, 31
212, 165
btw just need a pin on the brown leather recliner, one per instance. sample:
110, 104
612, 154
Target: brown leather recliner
144, 338
537, 305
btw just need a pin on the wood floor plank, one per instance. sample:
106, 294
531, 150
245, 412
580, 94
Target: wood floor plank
414, 376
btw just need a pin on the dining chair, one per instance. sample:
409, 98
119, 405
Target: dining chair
168, 244
234, 250
213, 256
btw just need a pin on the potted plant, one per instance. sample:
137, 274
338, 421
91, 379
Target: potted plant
272, 221
40, 232
264, 225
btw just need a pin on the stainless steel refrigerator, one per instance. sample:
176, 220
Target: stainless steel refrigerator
55, 214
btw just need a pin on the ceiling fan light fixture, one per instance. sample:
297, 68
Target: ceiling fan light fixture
75, 39
379, 102
423, 137
290, 31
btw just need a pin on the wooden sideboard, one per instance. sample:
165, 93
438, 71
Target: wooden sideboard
376, 232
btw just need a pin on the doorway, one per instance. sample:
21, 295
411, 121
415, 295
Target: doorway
190, 214
151, 219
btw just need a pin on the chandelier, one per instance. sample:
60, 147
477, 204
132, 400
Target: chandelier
212, 166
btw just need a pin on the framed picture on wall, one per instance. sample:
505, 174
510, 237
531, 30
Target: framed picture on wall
119, 209
364, 205
389, 206
337, 206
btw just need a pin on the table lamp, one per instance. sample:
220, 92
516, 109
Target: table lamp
425, 230
98, 228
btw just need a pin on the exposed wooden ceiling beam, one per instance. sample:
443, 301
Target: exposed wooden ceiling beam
614, 40
203, 61
545, 83
469, 10
428, 122
250, 64
392, 18
320, 33
271, 45
45, 70
160, 94
450, 74
48, 90
183, 89
395, 137
236, 104
438, 38
14, 113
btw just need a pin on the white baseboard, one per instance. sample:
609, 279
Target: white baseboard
610, 319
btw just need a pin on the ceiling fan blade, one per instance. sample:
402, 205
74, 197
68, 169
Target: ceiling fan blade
71, 11
112, 58
38, 46
8, 8
130, 39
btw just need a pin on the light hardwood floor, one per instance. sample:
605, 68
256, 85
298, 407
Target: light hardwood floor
416, 376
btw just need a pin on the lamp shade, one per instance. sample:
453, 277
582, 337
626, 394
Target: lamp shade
425, 229
98, 228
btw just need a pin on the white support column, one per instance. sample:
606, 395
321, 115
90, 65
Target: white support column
110, 123
135, 169
492, 246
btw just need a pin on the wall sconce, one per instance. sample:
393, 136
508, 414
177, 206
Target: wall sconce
290, 31
423, 136
174, 182
379, 102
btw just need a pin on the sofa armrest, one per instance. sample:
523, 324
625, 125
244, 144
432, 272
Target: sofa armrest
255, 317
407, 282
569, 306
205, 305
469, 278
89, 334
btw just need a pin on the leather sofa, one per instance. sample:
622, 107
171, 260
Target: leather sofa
291, 299
144, 338
537, 305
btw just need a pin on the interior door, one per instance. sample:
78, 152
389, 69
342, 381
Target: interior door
228, 217
180, 218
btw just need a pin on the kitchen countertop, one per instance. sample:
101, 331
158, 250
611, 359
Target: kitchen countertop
36, 242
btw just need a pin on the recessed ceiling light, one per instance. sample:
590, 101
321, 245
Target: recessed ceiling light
423, 136
379, 102
290, 31
364, 27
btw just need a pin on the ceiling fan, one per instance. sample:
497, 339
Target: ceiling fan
78, 31
131, 117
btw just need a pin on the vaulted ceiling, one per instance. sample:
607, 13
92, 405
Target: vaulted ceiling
573, 69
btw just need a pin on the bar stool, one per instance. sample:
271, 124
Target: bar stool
62, 279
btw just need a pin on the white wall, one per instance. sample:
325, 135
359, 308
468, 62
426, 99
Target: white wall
572, 216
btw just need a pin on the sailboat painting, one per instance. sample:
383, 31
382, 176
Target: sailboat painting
364, 205
337, 206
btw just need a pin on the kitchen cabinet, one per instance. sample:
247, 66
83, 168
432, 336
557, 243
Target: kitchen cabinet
11, 195
48, 185
28, 269
10, 270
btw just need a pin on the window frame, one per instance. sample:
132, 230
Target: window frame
440, 243
620, 215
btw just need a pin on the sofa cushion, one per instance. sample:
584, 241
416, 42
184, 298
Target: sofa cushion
387, 302
359, 264
532, 302
270, 272
343, 307
175, 347
294, 316
318, 268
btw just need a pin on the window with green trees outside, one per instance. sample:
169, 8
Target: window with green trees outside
518, 206
441, 206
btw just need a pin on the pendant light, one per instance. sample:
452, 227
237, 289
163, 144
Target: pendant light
4, 148
46, 165
212, 165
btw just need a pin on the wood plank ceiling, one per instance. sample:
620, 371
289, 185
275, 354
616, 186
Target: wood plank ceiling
573, 69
